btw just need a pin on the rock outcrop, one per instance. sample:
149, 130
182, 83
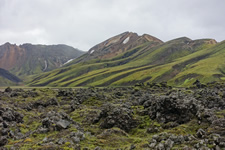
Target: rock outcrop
143, 117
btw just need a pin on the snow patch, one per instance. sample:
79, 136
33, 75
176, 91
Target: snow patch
68, 61
126, 40
92, 51
46, 65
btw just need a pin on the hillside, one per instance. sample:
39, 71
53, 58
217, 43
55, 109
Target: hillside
117, 45
28, 59
7, 79
179, 62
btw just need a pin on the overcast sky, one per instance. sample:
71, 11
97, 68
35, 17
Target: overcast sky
85, 23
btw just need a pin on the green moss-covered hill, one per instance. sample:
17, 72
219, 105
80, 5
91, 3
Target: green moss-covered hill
179, 62
6, 78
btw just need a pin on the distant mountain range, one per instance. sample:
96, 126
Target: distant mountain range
27, 59
127, 59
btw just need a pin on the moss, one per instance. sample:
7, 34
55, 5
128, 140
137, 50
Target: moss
188, 92
156, 124
211, 146
220, 114
40, 137
76, 115
73, 129
67, 148
188, 128
67, 144
24, 130
92, 102
27, 140
146, 122
12, 142
31, 122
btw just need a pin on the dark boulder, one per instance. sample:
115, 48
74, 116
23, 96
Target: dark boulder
66, 92
117, 116
152, 130
8, 90
132, 147
223, 96
55, 121
219, 123
42, 103
201, 133
77, 137
3, 141
4, 131
9, 115
199, 84
30, 93
168, 109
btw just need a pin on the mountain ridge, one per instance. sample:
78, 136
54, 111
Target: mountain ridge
28, 59
148, 61
117, 45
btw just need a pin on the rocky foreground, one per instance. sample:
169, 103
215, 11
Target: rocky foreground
145, 117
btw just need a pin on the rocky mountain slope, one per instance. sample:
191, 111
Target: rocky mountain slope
117, 45
147, 117
28, 59
121, 62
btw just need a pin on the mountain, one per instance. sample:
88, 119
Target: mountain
179, 62
6, 78
28, 59
117, 45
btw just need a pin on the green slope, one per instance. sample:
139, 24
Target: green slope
6, 82
179, 62
8, 79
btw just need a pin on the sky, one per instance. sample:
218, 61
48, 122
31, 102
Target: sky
85, 23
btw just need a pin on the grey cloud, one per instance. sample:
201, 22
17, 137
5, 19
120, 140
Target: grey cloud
83, 24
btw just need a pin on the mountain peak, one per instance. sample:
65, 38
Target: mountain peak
119, 44
7, 43
151, 38
212, 41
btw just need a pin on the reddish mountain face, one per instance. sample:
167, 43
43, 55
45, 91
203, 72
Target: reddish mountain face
11, 56
28, 59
